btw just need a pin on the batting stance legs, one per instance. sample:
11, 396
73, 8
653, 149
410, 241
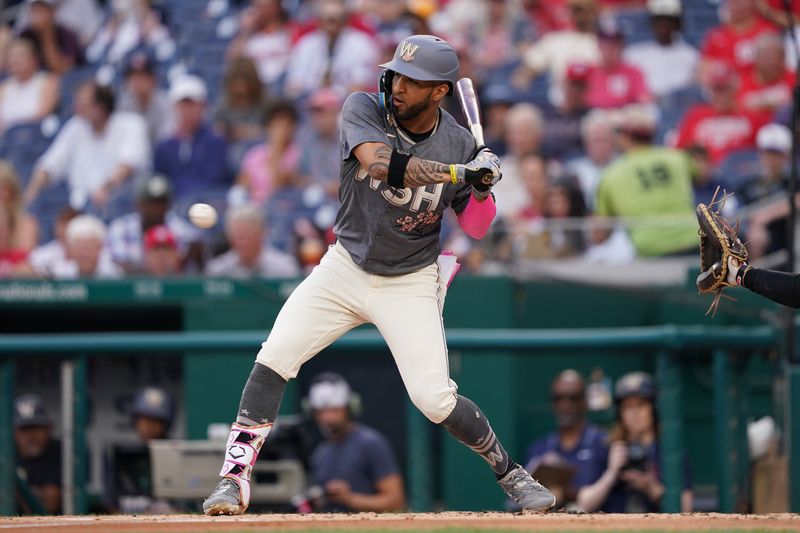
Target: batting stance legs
336, 297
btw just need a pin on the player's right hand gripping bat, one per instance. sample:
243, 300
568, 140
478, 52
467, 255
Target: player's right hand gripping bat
488, 165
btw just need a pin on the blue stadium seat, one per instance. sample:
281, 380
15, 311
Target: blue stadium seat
46, 208
634, 24
70, 82
22, 145
738, 168
674, 105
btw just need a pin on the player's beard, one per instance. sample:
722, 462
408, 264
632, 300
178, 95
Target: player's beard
413, 111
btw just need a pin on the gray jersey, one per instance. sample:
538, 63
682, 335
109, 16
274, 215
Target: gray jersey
391, 231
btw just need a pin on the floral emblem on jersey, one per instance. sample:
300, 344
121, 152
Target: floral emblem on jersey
419, 223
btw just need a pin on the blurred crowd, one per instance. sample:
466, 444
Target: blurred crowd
612, 119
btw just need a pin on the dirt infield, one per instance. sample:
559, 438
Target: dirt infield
450, 522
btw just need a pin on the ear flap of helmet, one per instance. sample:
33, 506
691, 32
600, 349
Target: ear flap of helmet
385, 90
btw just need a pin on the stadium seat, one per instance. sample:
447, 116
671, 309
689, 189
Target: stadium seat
673, 106
46, 206
738, 168
634, 24
23, 144
70, 82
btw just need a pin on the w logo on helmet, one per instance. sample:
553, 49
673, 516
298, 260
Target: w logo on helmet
407, 51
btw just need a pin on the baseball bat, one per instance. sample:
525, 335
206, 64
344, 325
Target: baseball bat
468, 99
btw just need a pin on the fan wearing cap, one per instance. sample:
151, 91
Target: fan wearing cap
667, 61
651, 187
562, 131
355, 465
766, 192
613, 83
194, 158
141, 95
733, 42
126, 233
161, 256
333, 54
632, 481
128, 466
38, 455
769, 86
719, 126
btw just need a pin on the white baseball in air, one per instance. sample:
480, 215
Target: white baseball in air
203, 215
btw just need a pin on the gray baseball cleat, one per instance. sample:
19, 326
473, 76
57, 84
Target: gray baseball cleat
529, 494
224, 499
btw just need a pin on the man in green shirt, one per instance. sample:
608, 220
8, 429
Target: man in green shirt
651, 188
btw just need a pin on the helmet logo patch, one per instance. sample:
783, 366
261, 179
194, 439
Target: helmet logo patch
407, 51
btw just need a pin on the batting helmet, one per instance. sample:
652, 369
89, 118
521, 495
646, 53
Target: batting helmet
154, 402
635, 384
423, 58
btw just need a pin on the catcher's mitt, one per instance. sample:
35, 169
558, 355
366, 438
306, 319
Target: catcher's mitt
718, 241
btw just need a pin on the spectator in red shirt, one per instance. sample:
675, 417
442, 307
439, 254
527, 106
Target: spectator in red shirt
12, 259
769, 86
547, 16
610, 6
161, 257
613, 83
774, 11
717, 126
734, 41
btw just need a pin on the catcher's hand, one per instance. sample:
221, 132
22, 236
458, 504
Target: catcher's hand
719, 242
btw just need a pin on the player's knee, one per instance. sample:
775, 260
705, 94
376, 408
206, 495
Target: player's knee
436, 406
270, 359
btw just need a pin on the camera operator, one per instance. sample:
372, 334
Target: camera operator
632, 482
354, 469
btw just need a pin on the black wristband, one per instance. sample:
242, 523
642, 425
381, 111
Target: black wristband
397, 169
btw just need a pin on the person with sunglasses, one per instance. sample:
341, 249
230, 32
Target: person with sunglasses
576, 447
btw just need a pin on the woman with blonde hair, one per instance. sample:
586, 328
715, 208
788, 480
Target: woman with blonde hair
25, 228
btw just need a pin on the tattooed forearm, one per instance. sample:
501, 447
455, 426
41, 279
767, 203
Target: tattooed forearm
379, 169
420, 172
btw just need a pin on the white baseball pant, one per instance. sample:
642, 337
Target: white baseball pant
407, 310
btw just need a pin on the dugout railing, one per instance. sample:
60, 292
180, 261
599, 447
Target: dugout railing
670, 344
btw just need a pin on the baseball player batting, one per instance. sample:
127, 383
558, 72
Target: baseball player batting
404, 161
